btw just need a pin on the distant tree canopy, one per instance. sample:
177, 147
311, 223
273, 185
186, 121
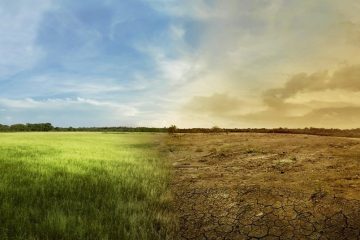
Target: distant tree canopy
45, 127
172, 129
29, 127
216, 129
4, 128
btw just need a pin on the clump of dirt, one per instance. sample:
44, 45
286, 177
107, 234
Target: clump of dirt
266, 186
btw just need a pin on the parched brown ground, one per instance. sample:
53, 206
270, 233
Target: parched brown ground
265, 186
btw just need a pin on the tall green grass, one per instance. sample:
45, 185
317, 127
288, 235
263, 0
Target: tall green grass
82, 186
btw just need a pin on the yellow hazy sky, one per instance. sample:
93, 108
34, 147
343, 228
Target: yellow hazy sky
275, 64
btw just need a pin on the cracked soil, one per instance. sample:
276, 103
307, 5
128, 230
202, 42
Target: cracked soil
265, 186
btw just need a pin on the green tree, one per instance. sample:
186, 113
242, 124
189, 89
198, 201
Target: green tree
172, 129
216, 129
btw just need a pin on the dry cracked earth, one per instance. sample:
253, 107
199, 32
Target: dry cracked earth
265, 186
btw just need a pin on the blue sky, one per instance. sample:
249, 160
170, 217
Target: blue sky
92, 64
191, 62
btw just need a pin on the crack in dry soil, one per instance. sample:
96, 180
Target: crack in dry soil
234, 189
252, 212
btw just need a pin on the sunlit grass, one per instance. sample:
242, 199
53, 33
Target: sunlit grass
82, 186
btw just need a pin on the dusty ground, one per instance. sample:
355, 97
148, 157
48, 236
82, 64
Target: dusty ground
266, 186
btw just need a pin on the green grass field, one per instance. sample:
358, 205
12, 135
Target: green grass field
83, 186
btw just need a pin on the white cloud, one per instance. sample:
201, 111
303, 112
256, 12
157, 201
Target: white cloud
173, 71
69, 111
62, 84
18, 27
57, 103
177, 32
187, 8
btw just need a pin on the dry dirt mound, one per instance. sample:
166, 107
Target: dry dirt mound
266, 186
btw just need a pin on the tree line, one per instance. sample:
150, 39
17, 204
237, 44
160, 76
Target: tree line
46, 127
308, 131
29, 127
